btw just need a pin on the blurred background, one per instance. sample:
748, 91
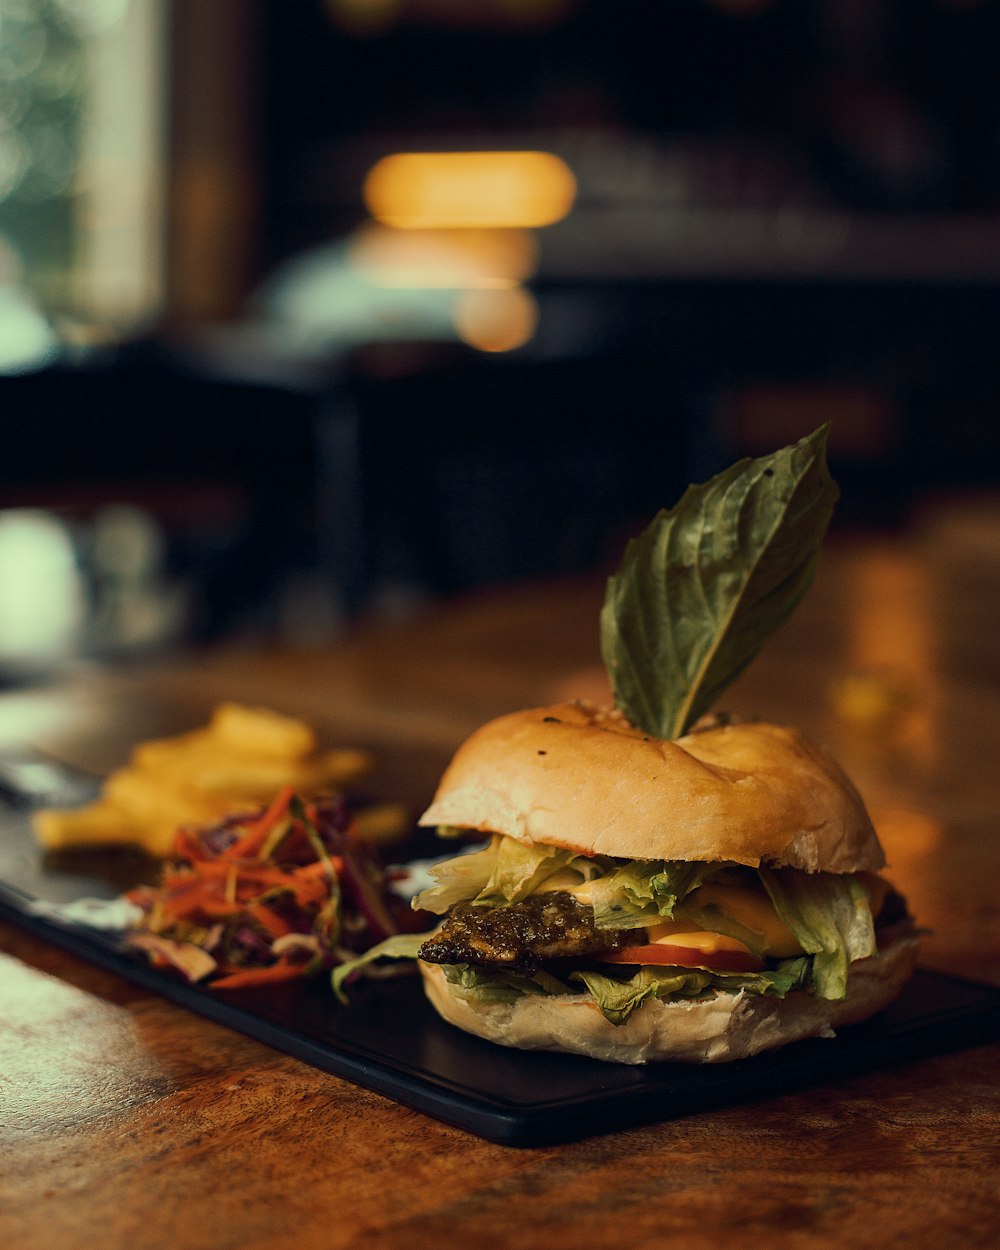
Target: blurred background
315, 310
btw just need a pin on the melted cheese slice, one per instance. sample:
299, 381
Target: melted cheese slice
567, 879
680, 933
753, 909
747, 906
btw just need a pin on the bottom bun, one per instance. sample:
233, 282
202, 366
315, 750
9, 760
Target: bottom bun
728, 1026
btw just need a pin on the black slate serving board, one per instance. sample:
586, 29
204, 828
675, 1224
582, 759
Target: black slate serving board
391, 1041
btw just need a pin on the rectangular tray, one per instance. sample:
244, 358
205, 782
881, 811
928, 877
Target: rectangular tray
390, 1040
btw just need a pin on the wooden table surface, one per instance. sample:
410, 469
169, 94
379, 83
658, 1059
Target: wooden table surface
127, 1122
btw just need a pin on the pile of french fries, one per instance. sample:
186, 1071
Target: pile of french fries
236, 763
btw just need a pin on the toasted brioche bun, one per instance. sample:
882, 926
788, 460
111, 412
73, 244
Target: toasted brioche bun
576, 777
728, 1026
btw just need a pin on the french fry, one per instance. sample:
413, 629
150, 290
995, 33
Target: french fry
259, 731
336, 768
236, 763
170, 753
214, 775
100, 822
148, 798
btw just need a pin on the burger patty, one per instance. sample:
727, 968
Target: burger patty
518, 937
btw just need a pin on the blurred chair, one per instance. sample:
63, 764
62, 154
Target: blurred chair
231, 471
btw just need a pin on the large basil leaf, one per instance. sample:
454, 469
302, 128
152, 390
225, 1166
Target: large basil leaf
700, 591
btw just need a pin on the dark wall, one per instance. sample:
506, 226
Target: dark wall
885, 105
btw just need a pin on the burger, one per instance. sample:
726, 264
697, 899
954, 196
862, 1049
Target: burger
698, 900
661, 882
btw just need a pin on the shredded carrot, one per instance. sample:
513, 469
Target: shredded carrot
187, 846
255, 836
180, 908
210, 889
259, 976
310, 893
196, 871
275, 925
263, 876
220, 888
216, 908
318, 868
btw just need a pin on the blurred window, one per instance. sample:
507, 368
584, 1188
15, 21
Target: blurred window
81, 144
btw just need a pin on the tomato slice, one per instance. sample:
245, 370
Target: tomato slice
684, 957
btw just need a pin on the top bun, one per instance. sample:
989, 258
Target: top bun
584, 779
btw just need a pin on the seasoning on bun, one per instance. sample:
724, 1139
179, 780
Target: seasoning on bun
581, 778
640, 899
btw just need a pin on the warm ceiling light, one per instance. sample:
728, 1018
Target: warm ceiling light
421, 190
388, 257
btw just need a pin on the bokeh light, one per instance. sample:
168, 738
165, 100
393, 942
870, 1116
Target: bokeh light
497, 320
389, 257
41, 594
423, 190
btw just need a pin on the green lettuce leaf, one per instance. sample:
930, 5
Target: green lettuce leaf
505, 871
497, 987
618, 999
701, 590
399, 946
518, 870
458, 879
642, 892
830, 915
790, 974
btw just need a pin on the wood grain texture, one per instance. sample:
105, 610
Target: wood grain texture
145, 1119
127, 1122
